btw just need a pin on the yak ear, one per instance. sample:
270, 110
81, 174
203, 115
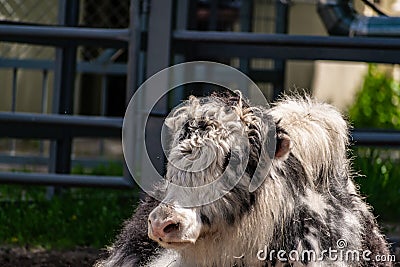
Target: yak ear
174, 123
283, 146
179, 115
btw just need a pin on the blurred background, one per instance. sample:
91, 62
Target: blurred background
63, 182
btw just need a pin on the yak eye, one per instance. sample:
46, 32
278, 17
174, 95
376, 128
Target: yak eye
202, 125
192, 126
185, 133
205, 219
227, 159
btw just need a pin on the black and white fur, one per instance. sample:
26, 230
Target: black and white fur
308, 200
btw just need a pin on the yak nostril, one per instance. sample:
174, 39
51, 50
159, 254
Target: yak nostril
171, 228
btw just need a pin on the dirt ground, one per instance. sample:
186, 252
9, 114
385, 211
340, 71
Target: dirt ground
80, 257
23, 257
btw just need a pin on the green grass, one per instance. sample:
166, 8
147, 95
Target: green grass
75, 217
381, 184
377, 106
92, 217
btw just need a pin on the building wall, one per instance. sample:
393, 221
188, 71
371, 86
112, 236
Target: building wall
303, 20
29, 82
333, 81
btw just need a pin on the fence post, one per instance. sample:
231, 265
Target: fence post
64, 83
281, 26
158, 58
132, 68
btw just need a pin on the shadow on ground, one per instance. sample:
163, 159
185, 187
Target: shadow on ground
23, 257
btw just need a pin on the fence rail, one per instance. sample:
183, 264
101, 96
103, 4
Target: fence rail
376, 138
66, 180
53, 126
283, 46
109, 68
61, 36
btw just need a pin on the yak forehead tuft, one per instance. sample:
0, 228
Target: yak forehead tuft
203, 133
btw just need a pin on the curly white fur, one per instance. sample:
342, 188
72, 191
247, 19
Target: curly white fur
307, 201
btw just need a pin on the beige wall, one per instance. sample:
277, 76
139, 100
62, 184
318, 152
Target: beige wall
336, 82
303, 20
29, 82
332, 81
29, 90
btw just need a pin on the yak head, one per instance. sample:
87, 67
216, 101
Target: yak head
216, 147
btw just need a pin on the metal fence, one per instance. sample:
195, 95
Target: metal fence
41, 41
138, 38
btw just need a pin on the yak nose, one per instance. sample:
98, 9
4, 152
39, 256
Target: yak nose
161, 228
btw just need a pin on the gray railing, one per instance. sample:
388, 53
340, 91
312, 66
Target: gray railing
61, 126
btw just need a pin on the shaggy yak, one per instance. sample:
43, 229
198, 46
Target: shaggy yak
307, 204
